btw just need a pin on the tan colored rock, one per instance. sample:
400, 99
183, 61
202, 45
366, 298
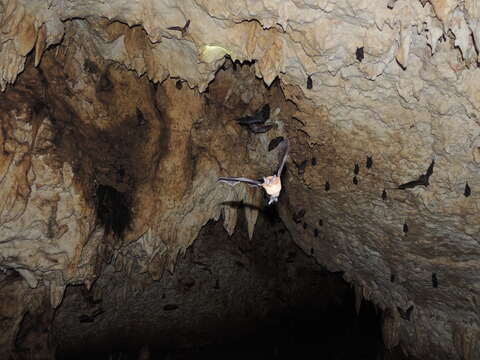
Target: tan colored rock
390, 329
402, 116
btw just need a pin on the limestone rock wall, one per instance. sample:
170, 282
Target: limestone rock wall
395, 80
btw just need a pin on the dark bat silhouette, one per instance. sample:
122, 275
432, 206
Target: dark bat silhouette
183, 29
275, 142
265, 111
359, 54
422, 180
256, 122
297, 217
430, 169
90, 318
301, 167
309, 82
405, 314
140, 118
248, 120
467, 190
259, 117
391, 4
271, 184
86, 319
434, 280
259, 129
369, 162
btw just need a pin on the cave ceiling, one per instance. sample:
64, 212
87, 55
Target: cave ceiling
115, 128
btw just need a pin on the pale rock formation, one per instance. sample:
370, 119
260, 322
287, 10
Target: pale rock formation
413, 98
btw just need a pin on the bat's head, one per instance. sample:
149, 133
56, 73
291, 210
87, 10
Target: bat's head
271, 180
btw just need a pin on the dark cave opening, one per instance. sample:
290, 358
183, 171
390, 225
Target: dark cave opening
113, 209
334, 333
230, 297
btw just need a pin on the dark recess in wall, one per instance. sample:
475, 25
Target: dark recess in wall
113, 210
229, 298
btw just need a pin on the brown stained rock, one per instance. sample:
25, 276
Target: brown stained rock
403, 116
140, 165
25, 318
26, 35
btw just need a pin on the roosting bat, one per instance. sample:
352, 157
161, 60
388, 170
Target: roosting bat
369, 162
405, 314
271, 184
256, 122
275, 142
309, 82
183, 29
259, 129
259, 117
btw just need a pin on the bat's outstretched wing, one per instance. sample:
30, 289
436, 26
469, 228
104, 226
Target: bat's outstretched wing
247, 120
187, 24
259, 129
430, 169
264, 112
177, 28
235, 180
284, 158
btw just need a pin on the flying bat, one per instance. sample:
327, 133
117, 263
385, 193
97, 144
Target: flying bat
271, 184
183, 29
422, 179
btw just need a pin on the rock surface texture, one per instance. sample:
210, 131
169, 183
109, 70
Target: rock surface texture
114, 134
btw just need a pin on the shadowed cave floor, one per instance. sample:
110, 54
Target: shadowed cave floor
228, 298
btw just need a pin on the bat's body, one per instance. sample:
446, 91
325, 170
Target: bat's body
422, 179
271, 184
256, 122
